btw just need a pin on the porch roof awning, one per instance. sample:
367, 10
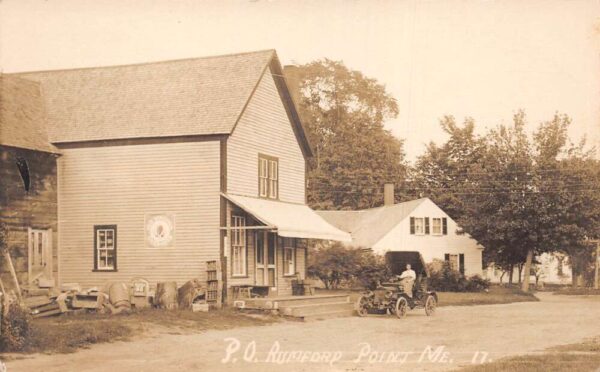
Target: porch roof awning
290, 220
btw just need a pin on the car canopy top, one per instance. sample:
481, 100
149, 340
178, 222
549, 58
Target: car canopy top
397, 262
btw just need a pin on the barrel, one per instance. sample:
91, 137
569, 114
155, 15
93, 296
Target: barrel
166, 295
118, 294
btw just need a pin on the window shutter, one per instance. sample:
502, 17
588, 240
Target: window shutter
412, 225
426, 225
447, 257
461, 263
444, 226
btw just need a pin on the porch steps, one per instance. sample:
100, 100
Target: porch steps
287, 301
305, 307
300, 311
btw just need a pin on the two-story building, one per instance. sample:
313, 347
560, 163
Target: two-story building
416, 225
165, 168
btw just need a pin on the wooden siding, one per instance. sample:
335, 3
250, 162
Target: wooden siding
265, 128
121, 184
20, 210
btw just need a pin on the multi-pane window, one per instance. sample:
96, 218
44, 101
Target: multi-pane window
289, 257
105, 248
268, 177
419, 226
454, 263
238, 246
427, 225
436, 226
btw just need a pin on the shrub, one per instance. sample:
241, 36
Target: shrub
371, 270
15, 329
477, 284
443, 278
338, 265
333, 264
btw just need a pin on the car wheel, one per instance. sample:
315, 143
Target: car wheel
430, 305
401, 307
362, 306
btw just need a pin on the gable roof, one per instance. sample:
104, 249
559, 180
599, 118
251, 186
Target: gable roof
368, 226
22, 117
189, 97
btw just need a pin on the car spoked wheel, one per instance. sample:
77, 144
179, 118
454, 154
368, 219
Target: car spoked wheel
430, 305
401, 307
361, 306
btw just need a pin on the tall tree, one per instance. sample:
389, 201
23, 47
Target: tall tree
441, 173
344, 113
519, 197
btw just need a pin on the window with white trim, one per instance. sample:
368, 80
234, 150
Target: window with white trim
238, 246
436, 226
268, 177
263, 177
289, 257
105, 247
454, 262
419, 226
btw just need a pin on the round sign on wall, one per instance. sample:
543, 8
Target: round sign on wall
160, 230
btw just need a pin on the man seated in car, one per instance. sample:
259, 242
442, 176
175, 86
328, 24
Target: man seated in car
407, 279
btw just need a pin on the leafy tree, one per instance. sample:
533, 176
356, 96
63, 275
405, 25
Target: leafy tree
519, 197
344, 113
441, 173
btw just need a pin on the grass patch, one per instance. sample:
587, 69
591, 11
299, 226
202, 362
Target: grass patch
573, 291
69, 332
495, 295
584, 356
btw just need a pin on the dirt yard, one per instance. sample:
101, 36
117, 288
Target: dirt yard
455, 336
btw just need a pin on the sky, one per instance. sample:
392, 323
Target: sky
482, 59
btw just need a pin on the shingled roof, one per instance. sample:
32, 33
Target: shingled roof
368, 226
200, 96
22, 117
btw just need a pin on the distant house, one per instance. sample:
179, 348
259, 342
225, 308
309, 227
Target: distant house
417, 225
165, 170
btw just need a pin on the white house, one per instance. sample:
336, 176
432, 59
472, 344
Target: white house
417, 225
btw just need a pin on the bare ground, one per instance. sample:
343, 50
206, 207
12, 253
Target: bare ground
457, 333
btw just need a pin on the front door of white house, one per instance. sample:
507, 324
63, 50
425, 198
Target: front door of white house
266, 248
40, 254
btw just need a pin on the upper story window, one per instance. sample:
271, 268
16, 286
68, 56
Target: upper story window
268, 177
421, 226
436, 226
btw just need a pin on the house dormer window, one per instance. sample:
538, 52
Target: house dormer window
268, 177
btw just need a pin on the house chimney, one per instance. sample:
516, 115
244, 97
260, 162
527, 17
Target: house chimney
292, 79
388, 194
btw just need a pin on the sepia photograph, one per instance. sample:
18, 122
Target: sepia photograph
300, 185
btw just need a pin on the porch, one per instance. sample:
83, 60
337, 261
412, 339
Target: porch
311, 307
266, 249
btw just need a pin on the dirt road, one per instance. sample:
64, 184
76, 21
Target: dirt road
454, 336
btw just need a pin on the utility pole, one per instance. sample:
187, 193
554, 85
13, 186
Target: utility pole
597, 263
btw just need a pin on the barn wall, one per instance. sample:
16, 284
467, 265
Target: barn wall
21, 210
120, 185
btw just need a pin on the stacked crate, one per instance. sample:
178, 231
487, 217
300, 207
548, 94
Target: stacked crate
212, 282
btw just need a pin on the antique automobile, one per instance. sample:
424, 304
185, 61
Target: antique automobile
392, 297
